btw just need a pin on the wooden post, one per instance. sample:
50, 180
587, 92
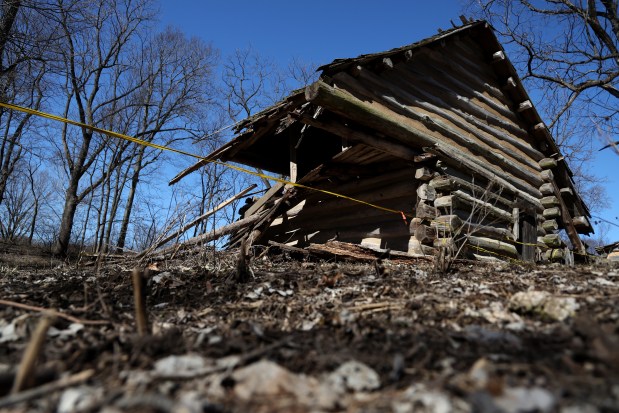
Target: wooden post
294, 169
528, 236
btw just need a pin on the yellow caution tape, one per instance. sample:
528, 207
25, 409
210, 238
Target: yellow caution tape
227, 165
181, 152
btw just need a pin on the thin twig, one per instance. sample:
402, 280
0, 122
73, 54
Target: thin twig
139, 298
25, 372
53, 312
40, 391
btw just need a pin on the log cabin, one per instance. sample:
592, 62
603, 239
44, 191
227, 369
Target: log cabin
428, 146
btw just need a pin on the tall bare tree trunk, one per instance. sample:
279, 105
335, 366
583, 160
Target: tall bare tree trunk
135, 179
61, 247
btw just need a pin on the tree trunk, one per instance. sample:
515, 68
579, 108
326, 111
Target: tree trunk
135, 179
61, 247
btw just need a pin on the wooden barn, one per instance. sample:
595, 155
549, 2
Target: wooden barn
438, 140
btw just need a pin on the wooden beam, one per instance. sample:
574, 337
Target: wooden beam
526, 105
482, 207
528, 237
548, 163
425, 233
264, 199
425, 211
500, 248
547, 175
294, 169
581, 223
398, 126
498, 56
488, 231
550, 225
552, 240
550, 201
389, 146
547, 189
458, 180
443, 183
446, 225
424, 174
214, 234
567, 193
405, 100
566, 217
510, 83
386, 64
552, 213
426, 192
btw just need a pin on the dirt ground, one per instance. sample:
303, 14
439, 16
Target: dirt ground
312, 336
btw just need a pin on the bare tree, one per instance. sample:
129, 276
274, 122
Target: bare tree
251, 82
176, 74
97, 37
568, 52
26, 195
26, 33
302, 73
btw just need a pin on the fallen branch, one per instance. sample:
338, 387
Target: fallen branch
196, 221
214, 234
54, 313
45, 389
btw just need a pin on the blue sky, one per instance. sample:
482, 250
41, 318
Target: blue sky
320, 31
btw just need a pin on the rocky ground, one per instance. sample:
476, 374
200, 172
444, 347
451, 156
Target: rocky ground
311, 336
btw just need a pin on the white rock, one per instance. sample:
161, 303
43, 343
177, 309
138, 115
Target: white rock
70, 331
77, 399
603, 282
527, 300
521, 399
187, 365
560, 308
354, 376
423, 400
265, 378
556, 308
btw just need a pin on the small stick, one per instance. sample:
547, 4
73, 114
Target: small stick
139, 298
25, 373
243, 270
44, 389
53, 312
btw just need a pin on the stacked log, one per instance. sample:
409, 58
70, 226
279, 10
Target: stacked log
552, 245
473, 220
